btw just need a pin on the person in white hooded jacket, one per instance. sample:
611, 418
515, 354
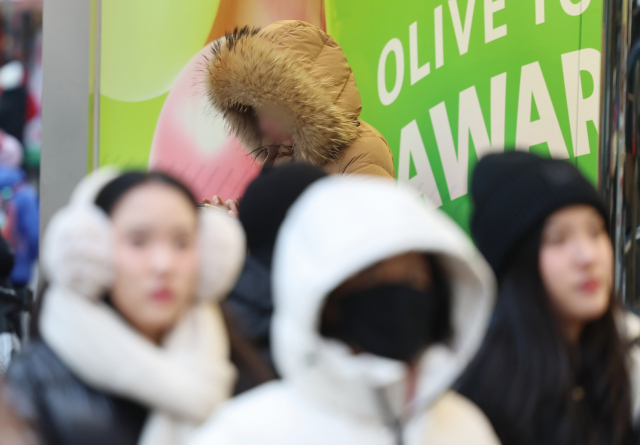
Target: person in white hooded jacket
376, 313
131, 346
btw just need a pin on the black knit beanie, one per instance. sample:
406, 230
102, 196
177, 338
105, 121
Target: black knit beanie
514, 192
267, 200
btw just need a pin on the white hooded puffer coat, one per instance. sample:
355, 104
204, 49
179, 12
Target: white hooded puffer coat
328, 395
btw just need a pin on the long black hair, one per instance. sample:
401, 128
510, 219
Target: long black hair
533, 385
106, 200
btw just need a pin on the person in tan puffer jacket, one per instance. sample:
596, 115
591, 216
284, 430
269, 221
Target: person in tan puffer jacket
288, 92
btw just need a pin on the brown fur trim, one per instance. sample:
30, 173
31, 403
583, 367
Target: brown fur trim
246, 70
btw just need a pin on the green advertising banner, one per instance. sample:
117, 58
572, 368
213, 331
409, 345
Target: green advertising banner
449, 81
145, 45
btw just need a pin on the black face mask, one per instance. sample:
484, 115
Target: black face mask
393, 321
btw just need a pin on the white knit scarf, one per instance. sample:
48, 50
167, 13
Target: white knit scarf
182, 381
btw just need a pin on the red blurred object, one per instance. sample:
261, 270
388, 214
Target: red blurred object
32, 108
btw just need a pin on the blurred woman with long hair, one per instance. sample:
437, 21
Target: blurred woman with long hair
554, 366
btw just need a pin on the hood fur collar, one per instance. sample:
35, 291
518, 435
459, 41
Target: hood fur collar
295, 68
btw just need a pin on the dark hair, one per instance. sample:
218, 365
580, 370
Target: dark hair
106, 200
534, 386
267, 201
111, 193
443, 330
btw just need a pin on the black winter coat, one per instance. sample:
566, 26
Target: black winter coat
250, 302
13, 111
247, 311
62, 409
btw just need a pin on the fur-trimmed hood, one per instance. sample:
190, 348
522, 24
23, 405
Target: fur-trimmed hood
295, 68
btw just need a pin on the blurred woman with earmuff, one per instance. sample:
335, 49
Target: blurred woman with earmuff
131, 346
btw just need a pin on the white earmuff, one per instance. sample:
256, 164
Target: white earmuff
76, 249
222, 253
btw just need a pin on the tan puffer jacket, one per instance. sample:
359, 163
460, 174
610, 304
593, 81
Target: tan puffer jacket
295, 69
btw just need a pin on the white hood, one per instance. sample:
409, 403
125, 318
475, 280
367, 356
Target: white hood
338, 227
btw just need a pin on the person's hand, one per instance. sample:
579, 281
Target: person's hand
230, 205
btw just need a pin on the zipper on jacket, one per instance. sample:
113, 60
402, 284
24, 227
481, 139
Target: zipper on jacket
394, 423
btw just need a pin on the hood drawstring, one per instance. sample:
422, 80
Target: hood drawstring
393, 422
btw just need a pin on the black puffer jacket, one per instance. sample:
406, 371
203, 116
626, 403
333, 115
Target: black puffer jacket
13, 111
250, 302
247, 311
63, 410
